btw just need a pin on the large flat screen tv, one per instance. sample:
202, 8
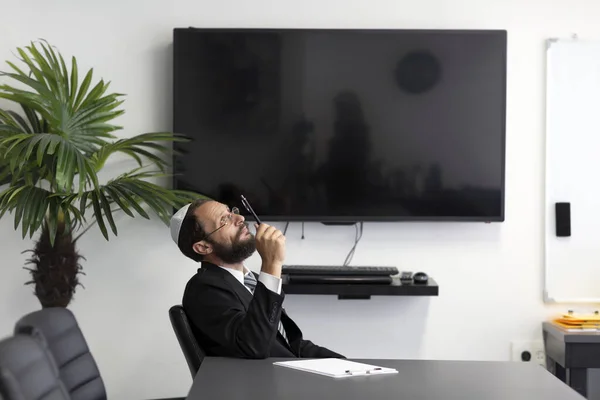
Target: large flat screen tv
344, 125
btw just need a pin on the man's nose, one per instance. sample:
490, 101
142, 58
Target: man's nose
239, 219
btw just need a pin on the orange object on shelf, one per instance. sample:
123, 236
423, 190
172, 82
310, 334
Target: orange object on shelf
573, 321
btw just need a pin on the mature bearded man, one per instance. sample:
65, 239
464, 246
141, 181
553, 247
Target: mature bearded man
234, 312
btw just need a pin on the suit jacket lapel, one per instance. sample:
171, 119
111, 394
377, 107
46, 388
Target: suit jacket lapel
244, 295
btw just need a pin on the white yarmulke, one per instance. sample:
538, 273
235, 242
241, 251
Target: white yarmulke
176, 221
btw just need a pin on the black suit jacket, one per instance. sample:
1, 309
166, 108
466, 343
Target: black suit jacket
228, 321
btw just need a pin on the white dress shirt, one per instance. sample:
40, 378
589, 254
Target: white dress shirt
271, 282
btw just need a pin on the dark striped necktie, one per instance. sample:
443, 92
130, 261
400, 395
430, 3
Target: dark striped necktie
250, 282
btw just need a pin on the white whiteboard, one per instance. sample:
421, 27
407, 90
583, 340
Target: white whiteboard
572, 264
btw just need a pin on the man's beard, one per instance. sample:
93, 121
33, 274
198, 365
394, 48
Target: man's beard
238, 251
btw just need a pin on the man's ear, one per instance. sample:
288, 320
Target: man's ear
203, 248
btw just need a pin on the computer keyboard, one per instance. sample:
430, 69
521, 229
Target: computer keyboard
339, 270
337, 279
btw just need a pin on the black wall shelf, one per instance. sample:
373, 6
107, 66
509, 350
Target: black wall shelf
364, 291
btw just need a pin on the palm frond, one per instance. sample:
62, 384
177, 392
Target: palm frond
130, 192
24, 149
12, 123
50, 153
28, 203
33, 205
141, 146
72, 111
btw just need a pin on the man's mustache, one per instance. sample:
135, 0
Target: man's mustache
244, 225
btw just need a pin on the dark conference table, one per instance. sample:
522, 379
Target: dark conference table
232, 379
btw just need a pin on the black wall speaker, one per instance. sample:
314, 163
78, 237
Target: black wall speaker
563, 219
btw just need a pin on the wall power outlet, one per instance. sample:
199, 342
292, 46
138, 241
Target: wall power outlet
529, 352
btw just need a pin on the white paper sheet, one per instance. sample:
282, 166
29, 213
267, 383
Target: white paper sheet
336, 368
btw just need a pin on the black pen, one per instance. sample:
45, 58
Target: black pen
248, 207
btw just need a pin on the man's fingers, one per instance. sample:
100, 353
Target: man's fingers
266, 232
269, 233
260, 230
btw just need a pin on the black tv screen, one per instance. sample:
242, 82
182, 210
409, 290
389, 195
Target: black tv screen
343, 125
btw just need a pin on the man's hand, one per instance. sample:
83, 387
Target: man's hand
270, 244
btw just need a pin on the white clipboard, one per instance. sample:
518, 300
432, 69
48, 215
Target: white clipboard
336, 368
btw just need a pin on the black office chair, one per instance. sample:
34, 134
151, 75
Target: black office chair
192, 351
58, 329
28, 371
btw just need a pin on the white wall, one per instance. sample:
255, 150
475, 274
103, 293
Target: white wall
490, 275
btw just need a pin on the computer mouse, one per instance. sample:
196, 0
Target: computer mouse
420, 277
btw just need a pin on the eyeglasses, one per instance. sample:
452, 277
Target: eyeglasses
225, 220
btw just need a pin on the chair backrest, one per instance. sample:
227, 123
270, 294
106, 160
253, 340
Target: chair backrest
58, 329
192, 351
28, 371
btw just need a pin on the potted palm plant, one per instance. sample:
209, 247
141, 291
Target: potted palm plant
50, 157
